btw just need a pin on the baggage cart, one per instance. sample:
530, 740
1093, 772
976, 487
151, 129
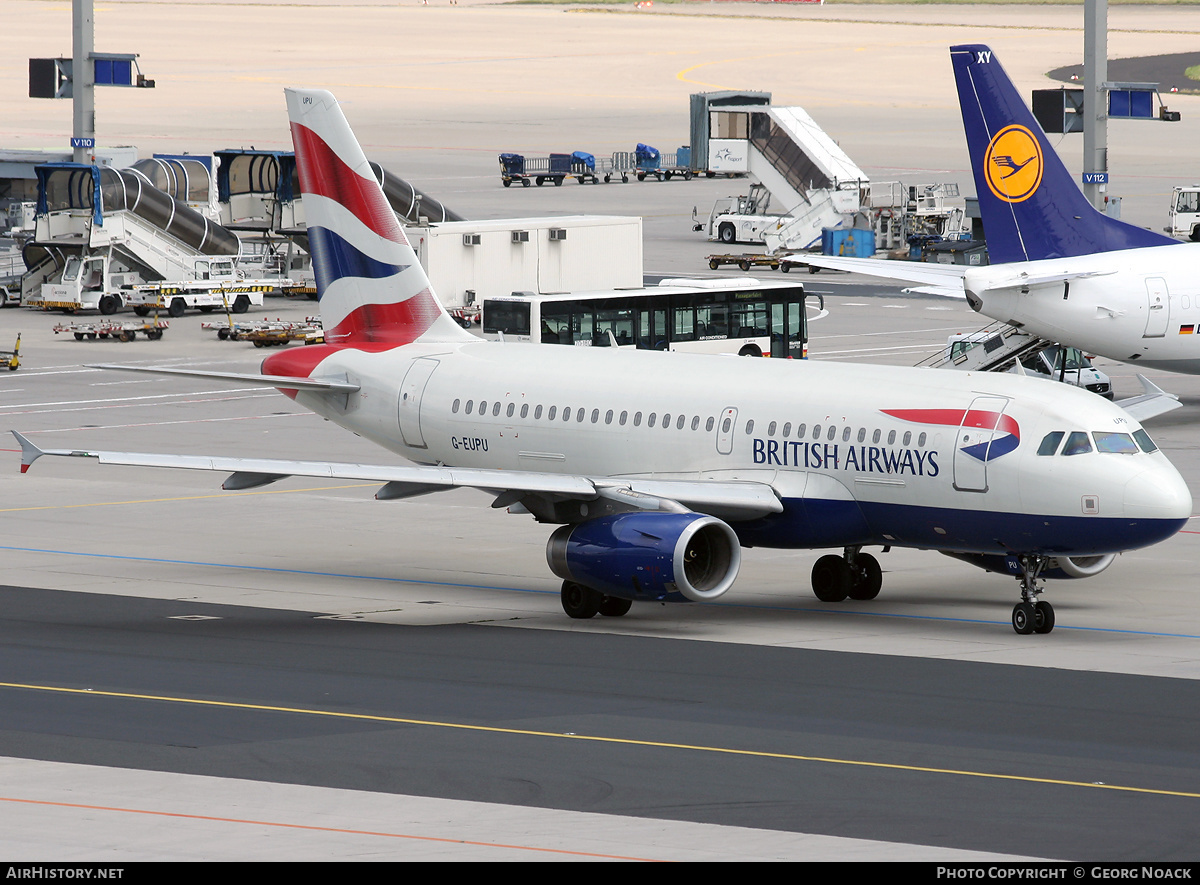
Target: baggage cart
118, 330
745, 261
539, 170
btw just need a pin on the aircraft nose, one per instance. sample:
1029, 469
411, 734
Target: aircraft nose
1159, 496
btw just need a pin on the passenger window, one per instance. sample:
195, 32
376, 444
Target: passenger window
696, 423
832, 433
553, 411
749, 427
907, 437
862, 434
566, 413
787, 429
875, 436
637, 419
1077, 444
624, 416
525, 410
608, 416
1144, 442
800, 428
771, 429
537, 413
579, 415
921, 440
496, 408
891, 437
454, 408
846, 434
725, 425
512, 407
708, 425
651, 419
679, 422
816, 431
1050, 443
666, 419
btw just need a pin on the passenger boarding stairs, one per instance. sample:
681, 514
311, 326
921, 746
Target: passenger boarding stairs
994, 348
804, 169
95, 209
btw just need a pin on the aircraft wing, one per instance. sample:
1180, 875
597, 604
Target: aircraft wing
942, 279
737, 500
1153, 401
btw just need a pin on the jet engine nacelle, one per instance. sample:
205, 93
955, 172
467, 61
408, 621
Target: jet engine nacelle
1061, 568
648, 555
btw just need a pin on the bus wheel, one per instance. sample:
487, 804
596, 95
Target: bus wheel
750, 350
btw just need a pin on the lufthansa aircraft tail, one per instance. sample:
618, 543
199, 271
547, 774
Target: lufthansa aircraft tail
1031, 207
372, 288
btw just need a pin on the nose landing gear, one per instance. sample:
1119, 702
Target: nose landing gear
1032, 615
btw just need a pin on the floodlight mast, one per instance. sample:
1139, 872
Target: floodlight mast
83, 77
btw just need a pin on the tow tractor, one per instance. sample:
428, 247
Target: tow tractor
12, 358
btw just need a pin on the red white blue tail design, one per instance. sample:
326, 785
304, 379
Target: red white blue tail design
371, 287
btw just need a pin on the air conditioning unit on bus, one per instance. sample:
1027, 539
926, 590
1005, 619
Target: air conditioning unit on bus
520, 236
471, 239
558, 233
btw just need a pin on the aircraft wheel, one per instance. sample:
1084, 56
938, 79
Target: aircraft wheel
1023, 618
868, 577
831, 579
579, 601
615, 607
1043, 617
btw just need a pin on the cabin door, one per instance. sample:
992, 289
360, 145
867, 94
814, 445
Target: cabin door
411, 391
973, 443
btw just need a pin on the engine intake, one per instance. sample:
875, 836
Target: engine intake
658, 556
1063, 567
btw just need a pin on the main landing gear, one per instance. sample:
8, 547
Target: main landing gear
583, 602
1032, 615
855, 574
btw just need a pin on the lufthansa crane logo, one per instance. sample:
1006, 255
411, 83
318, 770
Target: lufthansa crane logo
1012, 164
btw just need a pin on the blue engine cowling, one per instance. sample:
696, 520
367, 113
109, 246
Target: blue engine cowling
1060, 568
659, 556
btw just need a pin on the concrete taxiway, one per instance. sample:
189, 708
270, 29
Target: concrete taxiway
157, 584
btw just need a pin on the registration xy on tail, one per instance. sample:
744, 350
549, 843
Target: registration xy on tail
659, 468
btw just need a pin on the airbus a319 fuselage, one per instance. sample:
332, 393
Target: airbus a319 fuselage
659, 468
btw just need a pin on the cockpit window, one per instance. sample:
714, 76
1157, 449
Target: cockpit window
1077, 443
1144, 441
1050, 444
1118, 443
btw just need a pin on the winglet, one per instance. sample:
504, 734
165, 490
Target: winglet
29, 452
1153, 389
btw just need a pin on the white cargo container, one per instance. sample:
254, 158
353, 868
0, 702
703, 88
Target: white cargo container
467, 261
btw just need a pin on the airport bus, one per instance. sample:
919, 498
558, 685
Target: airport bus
743, 316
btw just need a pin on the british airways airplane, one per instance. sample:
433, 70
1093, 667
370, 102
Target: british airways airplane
658, 468
1060, 269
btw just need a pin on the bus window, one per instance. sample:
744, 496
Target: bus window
509, 317
684, 328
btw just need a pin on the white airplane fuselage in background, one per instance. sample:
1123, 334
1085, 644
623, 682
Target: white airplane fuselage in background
1140, 306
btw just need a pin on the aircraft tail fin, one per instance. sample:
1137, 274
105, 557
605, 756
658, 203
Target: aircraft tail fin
372, 288
1031, 206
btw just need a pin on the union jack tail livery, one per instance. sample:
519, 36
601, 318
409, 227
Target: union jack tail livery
1031, 207
373, 292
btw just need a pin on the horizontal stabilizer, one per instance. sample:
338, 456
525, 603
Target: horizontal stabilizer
282, 382
947, 278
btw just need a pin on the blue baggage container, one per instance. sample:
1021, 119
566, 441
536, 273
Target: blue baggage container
852, 242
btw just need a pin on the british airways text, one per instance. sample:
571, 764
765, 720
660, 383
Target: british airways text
830, 456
